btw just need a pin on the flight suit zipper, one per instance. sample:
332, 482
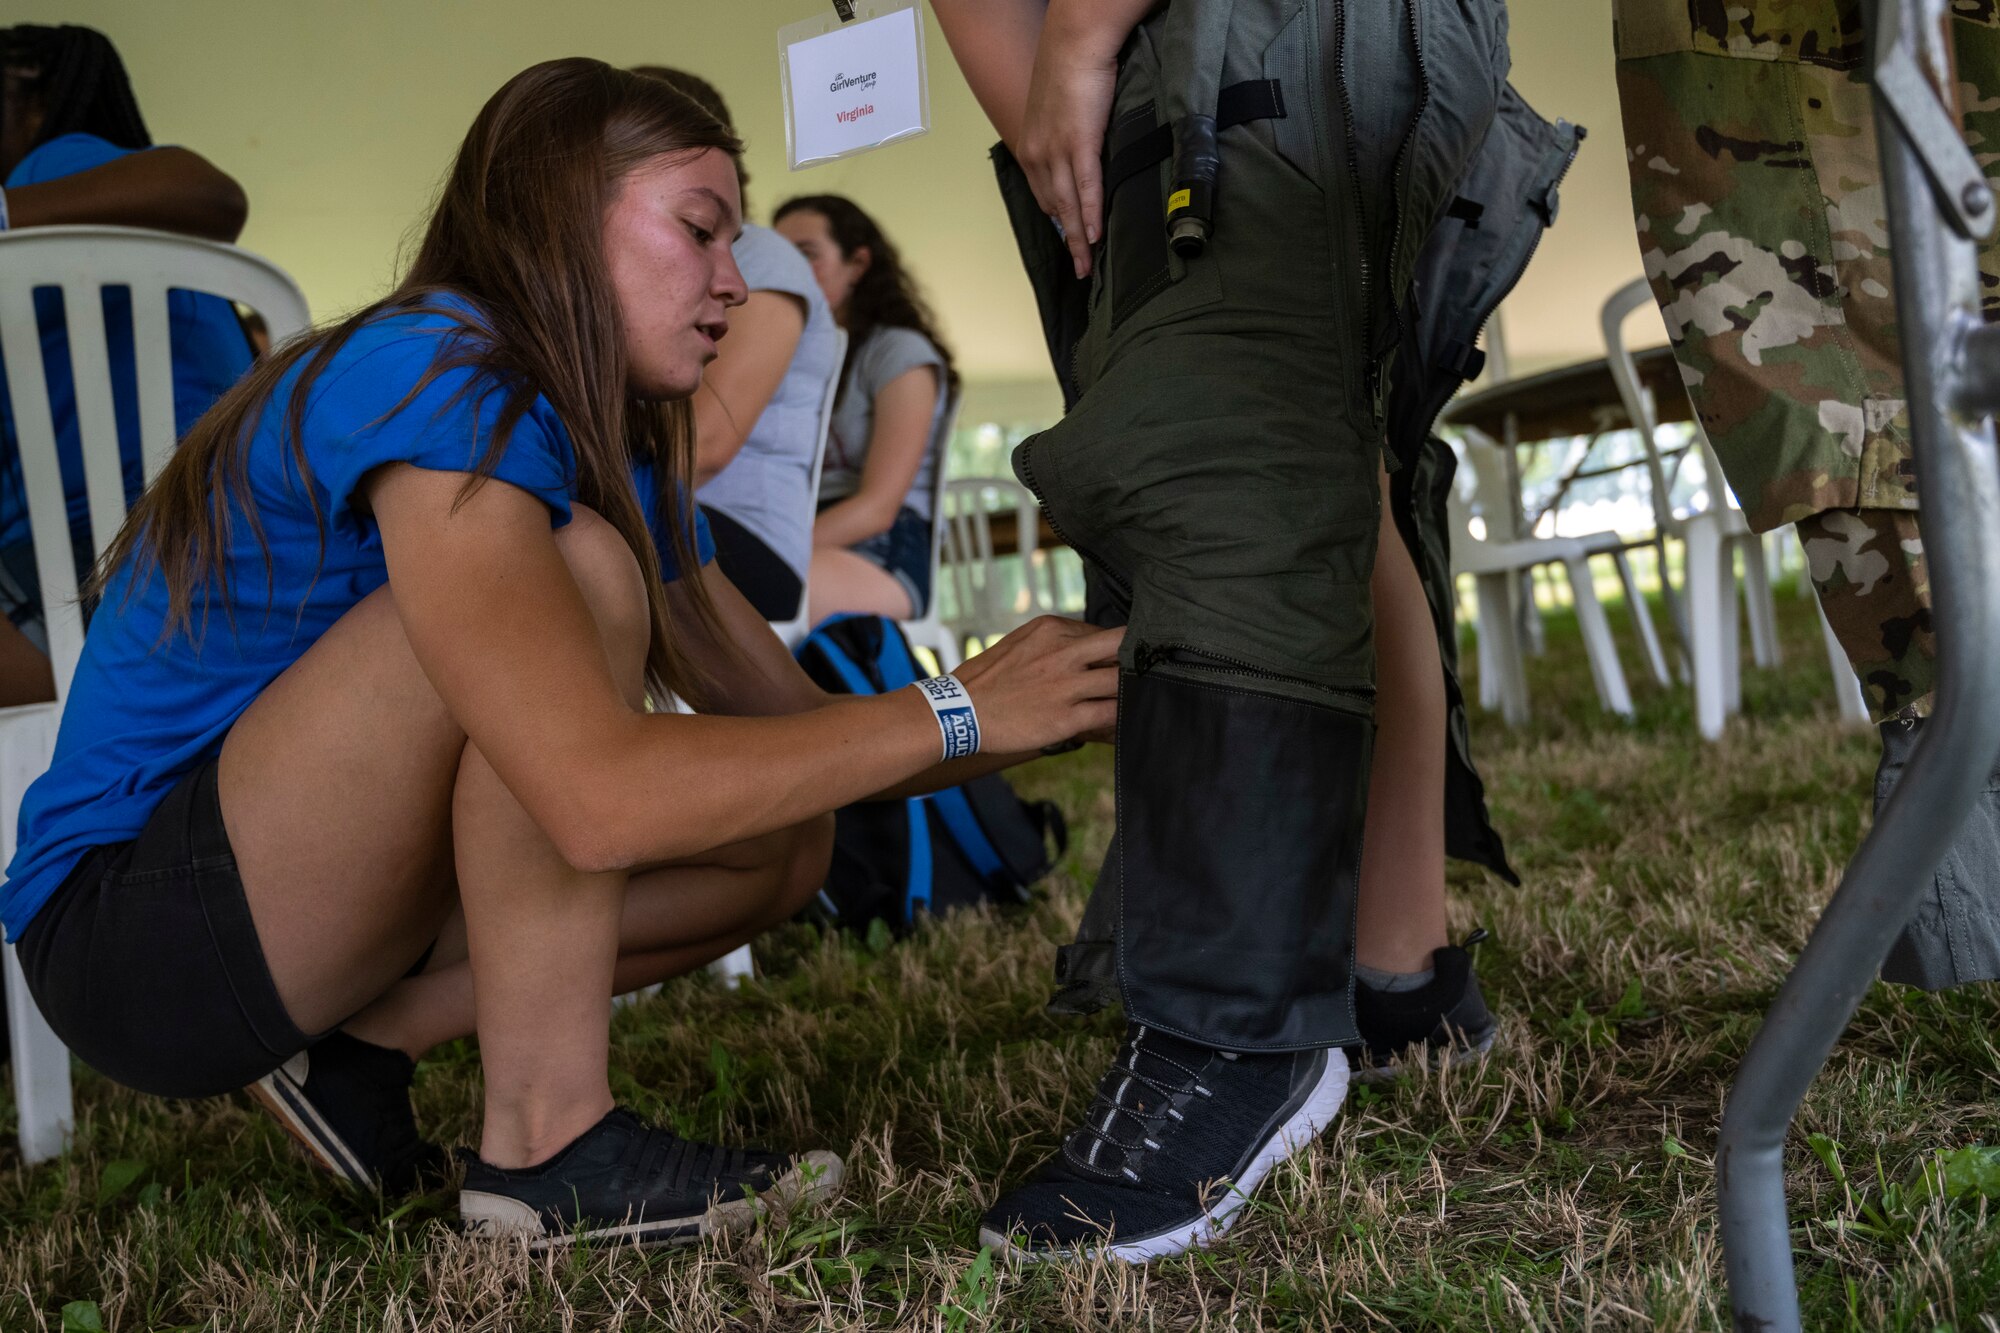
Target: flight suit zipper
1188, 657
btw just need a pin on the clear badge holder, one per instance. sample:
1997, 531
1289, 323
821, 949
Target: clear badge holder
853, 84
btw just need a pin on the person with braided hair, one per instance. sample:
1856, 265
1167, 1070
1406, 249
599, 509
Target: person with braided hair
74, 148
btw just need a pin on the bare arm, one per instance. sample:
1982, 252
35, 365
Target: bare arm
905, 411
738, 385
994, 44
169, 189
1068, 110
503, 633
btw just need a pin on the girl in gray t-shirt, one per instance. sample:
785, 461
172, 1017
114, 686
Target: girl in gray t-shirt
884, 455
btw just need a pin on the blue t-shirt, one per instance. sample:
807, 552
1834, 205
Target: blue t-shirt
209, 351
646, 482
145, 709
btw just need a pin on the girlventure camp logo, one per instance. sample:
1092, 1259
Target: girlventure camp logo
859, 82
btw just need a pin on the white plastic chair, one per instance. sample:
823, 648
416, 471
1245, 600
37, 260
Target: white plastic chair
736, 967
927, 629
986, 601
1713, 538
82, 261
1497, 562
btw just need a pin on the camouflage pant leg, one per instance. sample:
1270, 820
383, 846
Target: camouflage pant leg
1763, 227
1868, 565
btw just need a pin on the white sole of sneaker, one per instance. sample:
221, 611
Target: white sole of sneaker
497, 1217
1314, 1113
282, 1093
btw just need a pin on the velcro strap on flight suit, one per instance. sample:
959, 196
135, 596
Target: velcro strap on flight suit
1238, 104
1468, 211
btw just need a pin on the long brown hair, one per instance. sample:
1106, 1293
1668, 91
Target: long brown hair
518, 232
885, 295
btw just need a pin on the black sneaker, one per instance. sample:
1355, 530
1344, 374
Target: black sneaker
1448, 1014
1176, 1141
629, 1182
348, 1103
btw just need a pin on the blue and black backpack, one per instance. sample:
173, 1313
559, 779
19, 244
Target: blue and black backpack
894, 859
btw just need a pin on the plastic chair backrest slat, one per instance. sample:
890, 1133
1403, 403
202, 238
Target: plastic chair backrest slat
96, 417
152, 326
83, 261
969, 554
1638, 403
948, 426
1490, 498
41, 475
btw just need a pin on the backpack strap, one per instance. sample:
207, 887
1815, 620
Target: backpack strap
897, 665
917, 889
843, 665
970, 835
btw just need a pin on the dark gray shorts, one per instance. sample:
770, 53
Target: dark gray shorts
146, 962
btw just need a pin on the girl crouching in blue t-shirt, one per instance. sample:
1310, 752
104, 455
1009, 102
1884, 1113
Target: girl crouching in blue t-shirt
358, 758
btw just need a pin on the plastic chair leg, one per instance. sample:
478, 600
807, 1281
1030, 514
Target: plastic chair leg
1762, 607
734, 967
1731, 623
1605, 672
1703, 586
1534, 637
1675, 600
1500, 631
1846, 685
1642, 619
41, 1070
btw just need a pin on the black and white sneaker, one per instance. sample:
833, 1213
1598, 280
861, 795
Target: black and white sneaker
630, 1183
348, 1103
1448, 1016
1177, 1140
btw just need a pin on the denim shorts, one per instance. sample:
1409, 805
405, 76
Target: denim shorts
904, 551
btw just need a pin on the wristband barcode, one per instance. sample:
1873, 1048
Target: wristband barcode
952, 707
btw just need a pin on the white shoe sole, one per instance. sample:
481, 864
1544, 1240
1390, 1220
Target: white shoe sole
283, 1093
1311, 1119
498, 1217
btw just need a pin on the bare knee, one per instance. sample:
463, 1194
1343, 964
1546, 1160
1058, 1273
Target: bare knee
804, 875
607, 573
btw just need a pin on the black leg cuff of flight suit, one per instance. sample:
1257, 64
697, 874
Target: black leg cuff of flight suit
1239, 852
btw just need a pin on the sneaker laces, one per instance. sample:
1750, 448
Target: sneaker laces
1123, 1098
657, 1154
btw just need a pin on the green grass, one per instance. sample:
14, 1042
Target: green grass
1566, 1183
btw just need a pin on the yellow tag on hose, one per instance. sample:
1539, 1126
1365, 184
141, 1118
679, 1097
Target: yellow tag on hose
1178, 200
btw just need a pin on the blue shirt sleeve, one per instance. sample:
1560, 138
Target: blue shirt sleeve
65, 155
358, 419
644, 482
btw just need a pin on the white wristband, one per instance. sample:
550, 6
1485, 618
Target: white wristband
3, 210
952, 707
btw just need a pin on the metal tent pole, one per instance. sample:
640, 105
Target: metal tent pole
1939, 204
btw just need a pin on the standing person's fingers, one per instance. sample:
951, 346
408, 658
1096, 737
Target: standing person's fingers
1089, 173
1062, 205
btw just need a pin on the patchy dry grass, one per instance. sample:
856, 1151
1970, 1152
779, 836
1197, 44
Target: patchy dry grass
1566, 1183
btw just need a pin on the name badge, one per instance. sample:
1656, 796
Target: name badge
850, 87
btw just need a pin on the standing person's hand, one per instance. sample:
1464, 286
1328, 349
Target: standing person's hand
1069, 108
